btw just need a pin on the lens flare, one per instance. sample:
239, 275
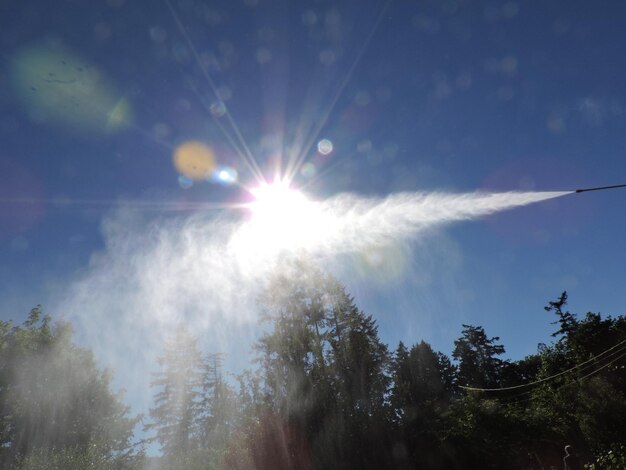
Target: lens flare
194, 160
325, 147
224, 175
58, 88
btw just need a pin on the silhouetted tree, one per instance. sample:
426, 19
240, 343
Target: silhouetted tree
567, 322
479, 365
423, 383
325, 371
328, 394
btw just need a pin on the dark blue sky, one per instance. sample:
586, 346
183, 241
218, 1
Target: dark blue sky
444, 95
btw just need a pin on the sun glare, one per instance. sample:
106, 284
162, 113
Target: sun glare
282, 218
276, 201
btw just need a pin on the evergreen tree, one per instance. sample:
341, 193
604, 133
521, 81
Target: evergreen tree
325, 369
423, 383
567, 321
54, 400
177, 417
219, 405
479, 365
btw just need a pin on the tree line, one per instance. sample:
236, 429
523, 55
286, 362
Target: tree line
325, 392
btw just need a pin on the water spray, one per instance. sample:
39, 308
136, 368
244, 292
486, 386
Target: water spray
599, 188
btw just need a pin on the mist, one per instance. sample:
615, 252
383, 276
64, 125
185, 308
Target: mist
208, 269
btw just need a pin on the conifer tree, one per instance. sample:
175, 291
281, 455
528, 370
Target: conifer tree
325, 368
479, 365
54, 400
177, 415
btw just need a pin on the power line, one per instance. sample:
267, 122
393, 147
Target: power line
515, 401
545, 379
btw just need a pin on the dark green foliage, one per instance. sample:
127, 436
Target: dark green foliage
567, 322
327, 394
55, 402
325, 371
423, 387
579, 399
479, 365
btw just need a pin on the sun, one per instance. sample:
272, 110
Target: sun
281, 218
276, 202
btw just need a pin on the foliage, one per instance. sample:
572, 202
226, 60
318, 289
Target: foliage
479, 365
324, 369
78, 459
54, 400
327, 393
614, 459
195, 408
176, 416
422, 390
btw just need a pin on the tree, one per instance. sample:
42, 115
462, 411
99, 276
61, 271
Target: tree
423, 382
219, 405
420, 376
53, 398
324, 368
177, 415
479, 365
587, 404
567, 321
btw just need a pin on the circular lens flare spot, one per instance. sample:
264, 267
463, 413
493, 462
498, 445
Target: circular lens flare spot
308, 170
325, 147
185, 182
217, 109
194, 160
224, 175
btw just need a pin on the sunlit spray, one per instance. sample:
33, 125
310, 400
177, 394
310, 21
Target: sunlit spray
207, 269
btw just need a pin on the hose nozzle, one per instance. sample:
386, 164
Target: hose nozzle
600, 188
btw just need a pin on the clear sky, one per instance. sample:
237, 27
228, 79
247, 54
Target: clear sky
97, 98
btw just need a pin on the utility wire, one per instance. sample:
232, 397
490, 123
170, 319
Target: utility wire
514, 401
583, 368
545, 379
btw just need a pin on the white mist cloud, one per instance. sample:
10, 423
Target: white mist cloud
208, 270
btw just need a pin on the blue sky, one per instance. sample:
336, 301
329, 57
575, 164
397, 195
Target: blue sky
451, 96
